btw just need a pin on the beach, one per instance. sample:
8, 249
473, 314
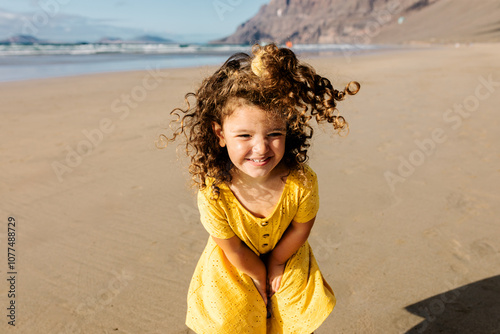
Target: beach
107, 229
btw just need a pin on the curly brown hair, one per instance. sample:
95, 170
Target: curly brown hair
272, 79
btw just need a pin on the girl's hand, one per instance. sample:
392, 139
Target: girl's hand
262, 287
274, 275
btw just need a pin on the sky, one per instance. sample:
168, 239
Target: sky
90, 20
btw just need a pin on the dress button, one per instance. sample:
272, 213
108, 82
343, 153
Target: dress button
264, 223
266, 235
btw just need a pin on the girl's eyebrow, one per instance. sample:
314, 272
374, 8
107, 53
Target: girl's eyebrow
240, 130
281, 129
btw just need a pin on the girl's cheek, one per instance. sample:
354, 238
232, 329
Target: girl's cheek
241, 146
279, 143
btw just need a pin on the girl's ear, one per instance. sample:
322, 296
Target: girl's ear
218, 132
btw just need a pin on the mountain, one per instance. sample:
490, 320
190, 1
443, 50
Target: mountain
369, 21
28, 39
138, 40
110, 40
151, 39
448, 21
21, 39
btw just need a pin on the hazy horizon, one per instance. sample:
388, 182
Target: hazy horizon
71, 21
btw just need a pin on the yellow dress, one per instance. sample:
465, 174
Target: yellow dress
223, 300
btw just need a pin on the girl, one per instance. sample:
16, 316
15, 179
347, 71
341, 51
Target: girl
247, 136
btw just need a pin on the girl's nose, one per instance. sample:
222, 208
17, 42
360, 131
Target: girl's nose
260, 146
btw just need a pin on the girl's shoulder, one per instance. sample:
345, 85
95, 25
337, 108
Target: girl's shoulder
309, 172
213, 191
303, 177
303, 173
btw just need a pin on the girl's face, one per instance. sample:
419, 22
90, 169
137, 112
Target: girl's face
255, 142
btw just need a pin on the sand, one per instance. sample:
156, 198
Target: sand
107, 231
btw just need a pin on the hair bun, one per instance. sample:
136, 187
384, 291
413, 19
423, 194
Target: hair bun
257, 64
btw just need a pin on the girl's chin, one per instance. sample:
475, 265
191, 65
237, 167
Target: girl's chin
256, 171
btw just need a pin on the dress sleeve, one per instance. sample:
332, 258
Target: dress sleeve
213, 217
308, 198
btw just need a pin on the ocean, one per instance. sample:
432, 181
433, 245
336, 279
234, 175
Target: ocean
24, 62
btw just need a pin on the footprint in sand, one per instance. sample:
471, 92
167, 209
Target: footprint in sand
460, 252
483, 248
466, 203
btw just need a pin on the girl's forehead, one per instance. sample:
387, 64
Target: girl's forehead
252, 115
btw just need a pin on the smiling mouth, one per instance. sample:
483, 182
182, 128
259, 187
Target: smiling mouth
259, 160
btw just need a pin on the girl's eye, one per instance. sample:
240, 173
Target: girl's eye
244, 136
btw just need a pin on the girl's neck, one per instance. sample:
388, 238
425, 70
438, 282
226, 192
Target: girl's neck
276, 176
259, 195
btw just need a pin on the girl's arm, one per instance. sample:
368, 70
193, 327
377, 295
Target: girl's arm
294, 237
245, 260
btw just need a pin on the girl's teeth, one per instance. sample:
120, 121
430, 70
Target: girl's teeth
255, 160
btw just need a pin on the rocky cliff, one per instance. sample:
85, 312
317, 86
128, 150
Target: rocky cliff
447, 21
354, 21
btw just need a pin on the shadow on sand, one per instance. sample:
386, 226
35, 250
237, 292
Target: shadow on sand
472, 308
